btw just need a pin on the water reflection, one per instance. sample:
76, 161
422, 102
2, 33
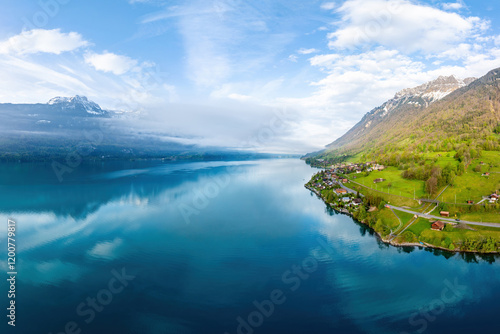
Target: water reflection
199, 276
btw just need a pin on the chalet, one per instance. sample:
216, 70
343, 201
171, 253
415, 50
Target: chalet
486, 174
470, 202
438, 226
378, 180
444, 214
341, 191
357, 201
345, 180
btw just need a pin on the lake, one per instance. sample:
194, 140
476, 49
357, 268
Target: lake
219, 247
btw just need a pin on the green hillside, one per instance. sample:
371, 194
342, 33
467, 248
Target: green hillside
426, 160
466, 122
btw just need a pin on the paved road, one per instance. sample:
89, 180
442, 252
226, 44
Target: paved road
424, 215
349, 190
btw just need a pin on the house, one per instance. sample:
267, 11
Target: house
341, 191
494, 196
378, 180
346, 199
444, 214
470, 202
357, 201
438, 226
345, 180
486, 174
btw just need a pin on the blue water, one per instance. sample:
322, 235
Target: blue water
219, 247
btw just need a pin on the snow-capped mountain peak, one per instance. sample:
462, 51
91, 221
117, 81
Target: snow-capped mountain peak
434, 90
77, 102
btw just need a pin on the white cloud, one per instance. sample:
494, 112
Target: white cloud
307, 51
110, 62
239, 97
42, 41
106, 250
452, 6
461, 51
402, 25
328, 5
355, 84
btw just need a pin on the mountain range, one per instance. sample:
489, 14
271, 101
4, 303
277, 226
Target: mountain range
65, 125
440, 115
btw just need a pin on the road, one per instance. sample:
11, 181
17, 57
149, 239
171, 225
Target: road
424, 215
349, 190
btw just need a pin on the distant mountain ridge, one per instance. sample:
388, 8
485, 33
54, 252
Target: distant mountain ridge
78, 103
69, 126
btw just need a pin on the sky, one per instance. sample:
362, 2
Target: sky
272, 76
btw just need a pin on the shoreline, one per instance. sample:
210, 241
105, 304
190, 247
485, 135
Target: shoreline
392, 242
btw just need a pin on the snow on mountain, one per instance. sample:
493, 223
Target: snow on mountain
421, 96
407, 100
435, 90
77, 102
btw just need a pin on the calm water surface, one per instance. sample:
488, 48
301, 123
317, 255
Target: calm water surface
220, 247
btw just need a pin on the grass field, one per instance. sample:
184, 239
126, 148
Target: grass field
487, 217
443, 158
394, 184
419, 226
394, 200
471, 185
448, 239
388, 218
404, 216
491, 161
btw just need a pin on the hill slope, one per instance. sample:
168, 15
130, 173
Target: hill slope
447, 114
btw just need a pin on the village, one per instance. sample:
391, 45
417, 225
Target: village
332, 185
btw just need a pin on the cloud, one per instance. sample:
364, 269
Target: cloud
228, 40
307, 51
106, 250
452, 6
354, 84
402, 25
239, 97
110, 62
328, 5
42, 41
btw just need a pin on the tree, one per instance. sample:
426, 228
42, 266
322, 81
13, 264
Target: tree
362, 213
431, 185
